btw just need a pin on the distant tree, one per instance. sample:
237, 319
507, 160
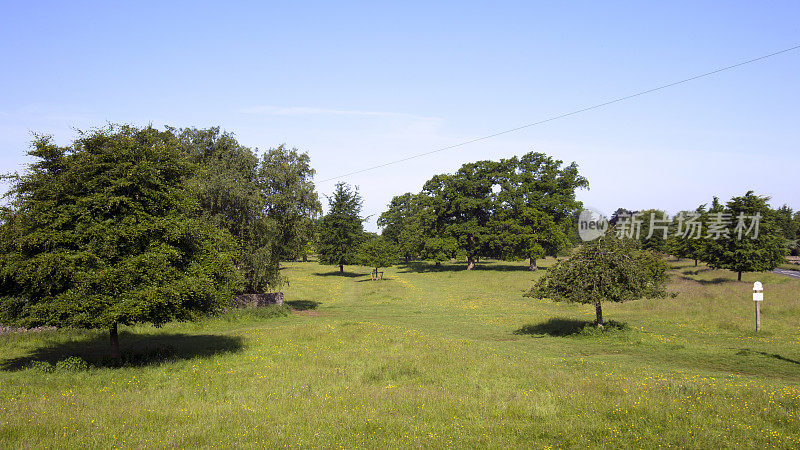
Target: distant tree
401, 209
686, 239
460, 206
509, 209
655, 229
796, 221
377, 252
534, 206
785, 221
607, 269
740, 250
341, 229
106, 232
285, 179
225, 177
404, 225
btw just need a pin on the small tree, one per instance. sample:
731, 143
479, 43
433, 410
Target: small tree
341, 230
604, 270
378, 252
107, 232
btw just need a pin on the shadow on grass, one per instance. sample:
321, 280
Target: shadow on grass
336, 273
568, 327
369, 279
303, 305
713, 281
696, 270
136, 350
424, 267
746, 352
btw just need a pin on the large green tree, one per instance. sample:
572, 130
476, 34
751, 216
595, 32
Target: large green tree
751, 241
607, 269
341, 230
106, 232
461, 206
226, 179
534, 206
509, 209
285, 179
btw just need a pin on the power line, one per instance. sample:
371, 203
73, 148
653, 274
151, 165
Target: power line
561, 116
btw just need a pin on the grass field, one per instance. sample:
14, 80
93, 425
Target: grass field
426, 358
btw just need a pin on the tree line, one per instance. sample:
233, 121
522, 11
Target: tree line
128, 225
762, 246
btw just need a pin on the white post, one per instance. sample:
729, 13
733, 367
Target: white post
758, 297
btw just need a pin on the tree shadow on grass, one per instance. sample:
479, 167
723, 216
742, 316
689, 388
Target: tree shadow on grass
424, 267
696, 270
560, 327
303, 305
136, 350
713, 281
336, 273
377, 281
746, 352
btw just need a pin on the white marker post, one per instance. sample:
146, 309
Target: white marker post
758, 297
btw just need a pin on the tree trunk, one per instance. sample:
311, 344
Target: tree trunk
114, 341
695, 263
341, 268
305, 258
470, 263
740, 276
598, 308
533, 265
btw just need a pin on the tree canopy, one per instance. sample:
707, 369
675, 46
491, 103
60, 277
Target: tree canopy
107, 231
515, 208
285, 179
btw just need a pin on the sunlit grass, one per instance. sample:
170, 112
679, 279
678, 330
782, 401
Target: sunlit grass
426, 358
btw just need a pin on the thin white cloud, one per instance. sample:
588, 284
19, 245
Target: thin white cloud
306, 111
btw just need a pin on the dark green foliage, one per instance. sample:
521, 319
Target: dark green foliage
739, 251
787, 222
686, 235
607, 269
341, 231
534, 208
268, 205
107, 231
654, 224
285, 180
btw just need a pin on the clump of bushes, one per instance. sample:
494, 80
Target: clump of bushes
71, 364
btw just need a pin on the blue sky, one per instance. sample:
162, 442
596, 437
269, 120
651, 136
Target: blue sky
360, 84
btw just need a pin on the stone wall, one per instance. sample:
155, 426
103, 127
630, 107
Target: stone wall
258, 300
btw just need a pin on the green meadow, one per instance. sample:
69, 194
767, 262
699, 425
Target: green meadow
428, 357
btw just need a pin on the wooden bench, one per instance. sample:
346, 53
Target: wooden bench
376, 275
